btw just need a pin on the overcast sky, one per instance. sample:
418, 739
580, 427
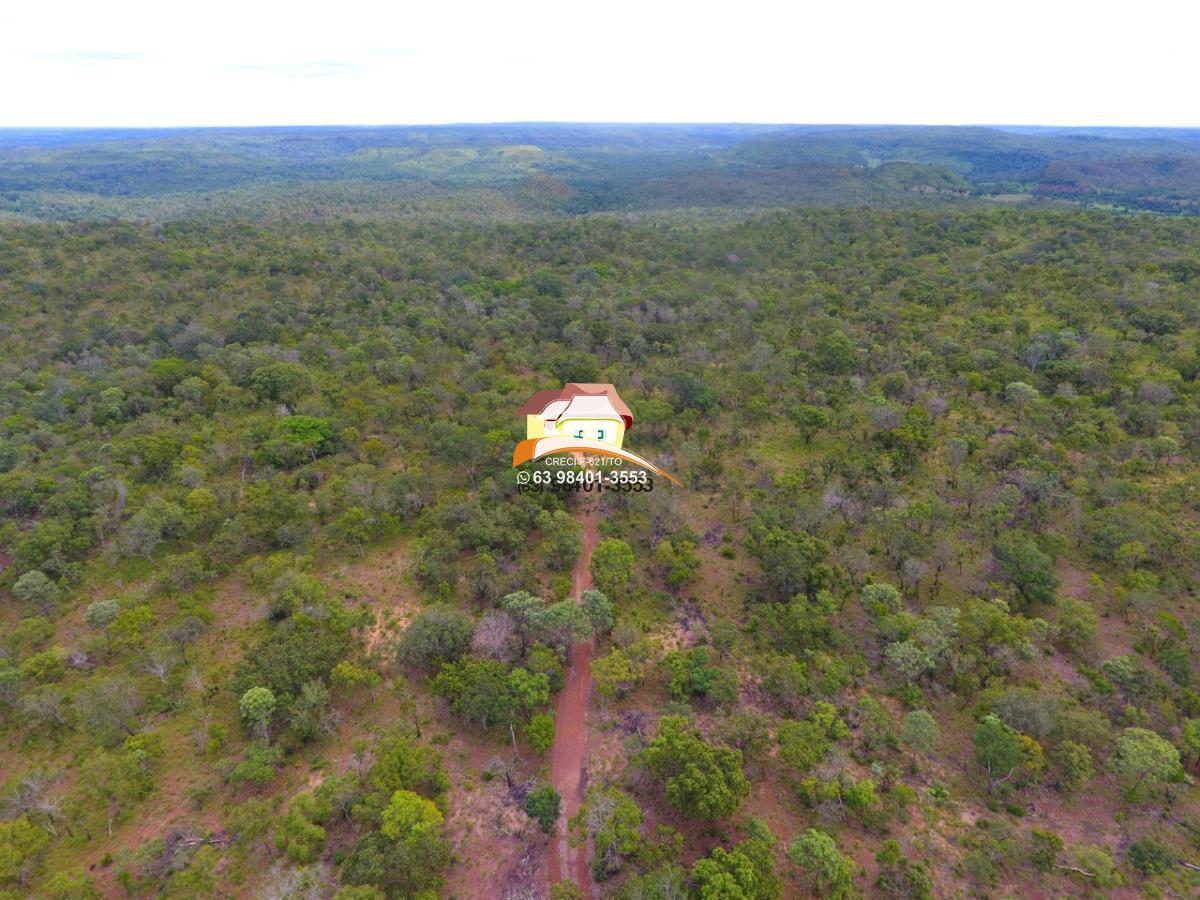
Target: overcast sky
259, 62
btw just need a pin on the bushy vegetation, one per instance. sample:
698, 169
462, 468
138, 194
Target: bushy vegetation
275, 613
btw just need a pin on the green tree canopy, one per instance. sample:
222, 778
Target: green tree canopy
1145, 757
612, 566
257, 707
438, 634
543, 805
746, 871
831, 874
702, 780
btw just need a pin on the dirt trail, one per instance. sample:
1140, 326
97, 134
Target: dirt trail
568, 756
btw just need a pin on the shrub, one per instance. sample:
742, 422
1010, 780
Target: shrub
543, 805
439, 634
701, 780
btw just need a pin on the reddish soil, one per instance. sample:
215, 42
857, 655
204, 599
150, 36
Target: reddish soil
568, 756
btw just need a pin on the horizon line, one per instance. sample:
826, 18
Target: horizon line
593, 122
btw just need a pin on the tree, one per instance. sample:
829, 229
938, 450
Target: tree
1189, 739
561, 624
168, 371
71, 884
487, 692
860, 798
1027, 710
667, 881
900, 877
439, 634
1144, 756
298, 651
679, 559
1150, 857
354, 528
830, 872
48, 665
546, 661
316, 435
599, 611
306, 709
300, 834
409, 817
419, 853
881, 600
1020, 395
35, 588
876, 728
184, 632
563, 537
1095, 863
493, 635
281, 382
155, 453
919, 731
530, 690
146, 529
348, 676
540, 733
403, 764
701, 780
543, 805
614, 674
808, 420
999, 750
801, 744
1044, 848
257, 707
792, 562
108, 708
749, 730
555, 624
1078, 624
612, 566
1129, 555
786, 681
835, 354
1029, 569
100, 615
1073, 765
957, 451
22, 845
746, 872
690, 675
525, 611
909, 659
257, 765
477, 690
612, 819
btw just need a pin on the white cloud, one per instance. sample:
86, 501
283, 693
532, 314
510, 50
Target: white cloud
130, 62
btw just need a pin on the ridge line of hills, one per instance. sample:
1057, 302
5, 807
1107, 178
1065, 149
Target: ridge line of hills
513, 171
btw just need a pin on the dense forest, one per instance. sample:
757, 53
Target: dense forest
276, 621
524, 172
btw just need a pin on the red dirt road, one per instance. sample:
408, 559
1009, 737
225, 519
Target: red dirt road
568, 756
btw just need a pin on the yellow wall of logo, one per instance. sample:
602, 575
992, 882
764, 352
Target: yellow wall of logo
580, 418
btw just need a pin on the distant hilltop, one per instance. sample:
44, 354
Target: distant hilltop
526, 171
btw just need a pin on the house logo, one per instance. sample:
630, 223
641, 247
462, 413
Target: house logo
581, 419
